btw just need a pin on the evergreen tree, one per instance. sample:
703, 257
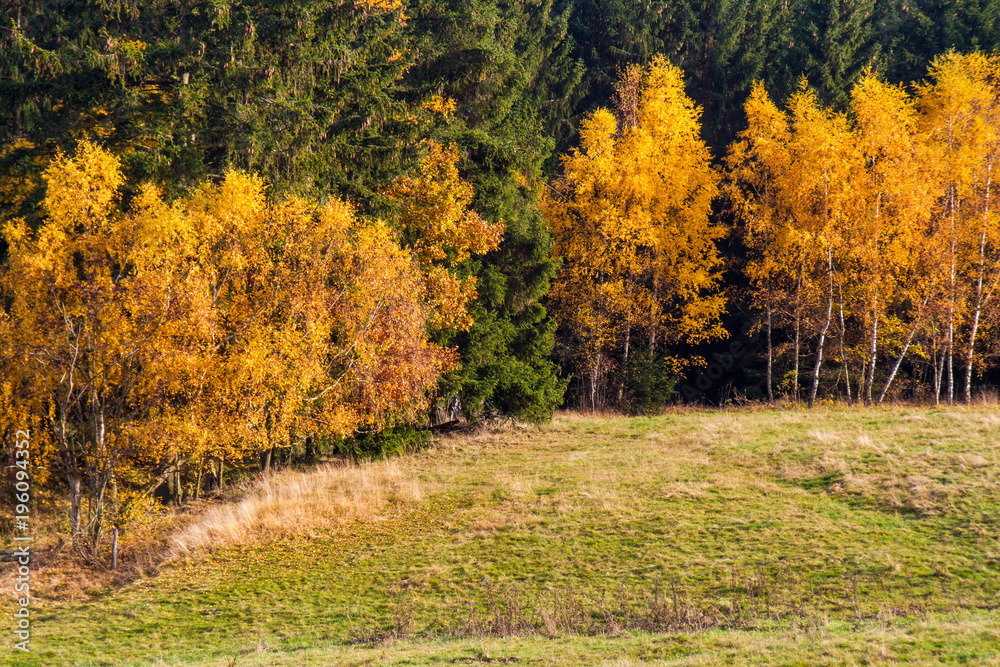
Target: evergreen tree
926, 28
508, 68
302, 91
610, 35
833, 42
723, 46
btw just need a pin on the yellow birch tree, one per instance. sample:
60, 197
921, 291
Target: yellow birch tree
959, 123
631, 219
220, 325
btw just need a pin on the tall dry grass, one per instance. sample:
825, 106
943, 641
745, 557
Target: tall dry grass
297, 502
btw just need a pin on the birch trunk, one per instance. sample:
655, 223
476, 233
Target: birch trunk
770, 358
798, 330
902, 355
872, 350
826, 327
843, 355
970, 357
938, 377
74, 508
621, 384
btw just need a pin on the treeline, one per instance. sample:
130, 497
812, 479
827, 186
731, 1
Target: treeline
871, 237
235, 229
137, 341
873, 234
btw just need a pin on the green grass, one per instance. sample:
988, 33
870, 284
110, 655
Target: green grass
833, 536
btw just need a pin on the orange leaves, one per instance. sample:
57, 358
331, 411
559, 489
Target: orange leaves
631, 219
437, 223
820, 200
440, 105
380, 7
322, 322
79, 191
790, 183
435, 209
97, 333
884, 118
382, 325
223, 322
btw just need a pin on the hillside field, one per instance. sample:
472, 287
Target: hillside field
766, 536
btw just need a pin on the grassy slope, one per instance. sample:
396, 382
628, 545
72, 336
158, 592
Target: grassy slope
825, 537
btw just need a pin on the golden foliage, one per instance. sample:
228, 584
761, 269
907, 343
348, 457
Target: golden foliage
885, 212
631, 219
217, 325
434, 214
380, 7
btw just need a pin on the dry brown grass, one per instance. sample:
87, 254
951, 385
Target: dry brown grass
299, 502
61, 574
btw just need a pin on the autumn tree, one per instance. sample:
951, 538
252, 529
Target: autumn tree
962, 130
319, 318
631, 218
95, 303
822, 204
793, 189
324, 100
887, 239
889, 211
759, 166
436, 222
219, 325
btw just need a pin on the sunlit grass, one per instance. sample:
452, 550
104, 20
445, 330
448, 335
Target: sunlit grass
297, 503
800, 537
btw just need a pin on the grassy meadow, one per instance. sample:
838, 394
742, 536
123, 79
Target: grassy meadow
833, 536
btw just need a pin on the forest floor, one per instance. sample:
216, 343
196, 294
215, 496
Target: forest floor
762, 536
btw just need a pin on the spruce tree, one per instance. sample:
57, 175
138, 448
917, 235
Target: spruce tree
509, 70
302, 91
723, 46
833, 42
609, 35
926, 28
